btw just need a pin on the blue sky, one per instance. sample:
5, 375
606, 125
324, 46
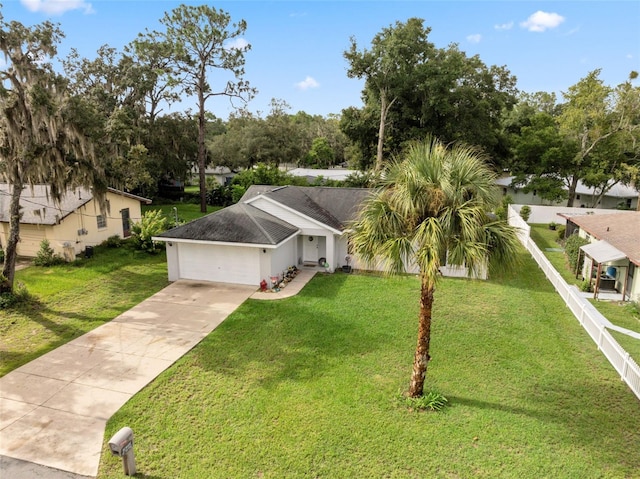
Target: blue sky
297, 46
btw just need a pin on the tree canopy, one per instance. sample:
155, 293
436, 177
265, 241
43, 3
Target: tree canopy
199, 40
41, 138
592, 137
413, 88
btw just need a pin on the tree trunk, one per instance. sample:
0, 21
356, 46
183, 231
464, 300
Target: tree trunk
572, 190
10, 253
384, 111
383, 120
201, 151
421, 358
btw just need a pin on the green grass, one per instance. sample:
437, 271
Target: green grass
625, 315
73, 299
186, 211
307, 387
546, 241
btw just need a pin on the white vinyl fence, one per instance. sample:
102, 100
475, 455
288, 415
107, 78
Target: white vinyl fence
589, 317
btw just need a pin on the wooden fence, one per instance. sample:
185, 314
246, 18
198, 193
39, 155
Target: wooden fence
589, 317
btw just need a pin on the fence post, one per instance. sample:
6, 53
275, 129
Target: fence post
625, 366
599, 343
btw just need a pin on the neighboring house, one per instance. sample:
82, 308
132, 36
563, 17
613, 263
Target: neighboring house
271, 229
612, 259
71, 224
221, 174
312, 174
618, 196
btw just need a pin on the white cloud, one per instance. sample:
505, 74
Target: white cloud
57, 7
307, 83
629, 56
237, 44
504, 26
475, 38
541, 21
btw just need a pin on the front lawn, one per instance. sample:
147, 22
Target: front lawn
73, 299
307, 387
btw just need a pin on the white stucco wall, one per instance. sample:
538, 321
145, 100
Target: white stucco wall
547, 214
282, 257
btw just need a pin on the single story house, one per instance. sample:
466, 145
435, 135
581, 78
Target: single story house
222, 174
618, 196
71, 224
312, 174
612, 257
269, 230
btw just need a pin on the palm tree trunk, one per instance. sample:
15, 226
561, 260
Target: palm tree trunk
10, 253
421, 358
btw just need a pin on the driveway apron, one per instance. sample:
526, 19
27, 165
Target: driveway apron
53, 410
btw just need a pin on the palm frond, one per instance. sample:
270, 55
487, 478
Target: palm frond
433, 202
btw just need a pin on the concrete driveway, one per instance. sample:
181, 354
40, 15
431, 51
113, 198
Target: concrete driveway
53, 410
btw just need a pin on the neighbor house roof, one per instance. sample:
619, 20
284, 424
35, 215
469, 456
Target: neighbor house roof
239, 223
38, 207
617, 191
622, 231
339, 174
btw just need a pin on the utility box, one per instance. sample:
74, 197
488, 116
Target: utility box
121, 444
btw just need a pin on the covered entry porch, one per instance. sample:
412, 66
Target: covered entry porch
607, 268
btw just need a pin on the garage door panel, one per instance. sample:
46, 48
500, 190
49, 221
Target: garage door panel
227, 264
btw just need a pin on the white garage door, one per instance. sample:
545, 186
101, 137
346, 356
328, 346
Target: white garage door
226, 264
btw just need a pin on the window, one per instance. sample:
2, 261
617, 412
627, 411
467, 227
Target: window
126, 223
102, 221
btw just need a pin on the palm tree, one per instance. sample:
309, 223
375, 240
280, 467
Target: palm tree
41, 141
433, 204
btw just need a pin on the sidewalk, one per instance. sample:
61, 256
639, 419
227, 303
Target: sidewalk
291, 289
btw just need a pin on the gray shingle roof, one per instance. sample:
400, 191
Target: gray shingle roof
334, 207
240, 223
39, 208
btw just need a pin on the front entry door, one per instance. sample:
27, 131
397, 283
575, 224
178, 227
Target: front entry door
310, 249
